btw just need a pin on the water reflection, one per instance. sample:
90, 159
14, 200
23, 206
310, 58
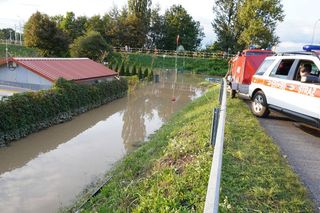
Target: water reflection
46, 170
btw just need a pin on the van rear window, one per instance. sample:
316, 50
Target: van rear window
264, 66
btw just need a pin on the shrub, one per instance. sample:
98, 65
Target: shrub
24, 113
91, 45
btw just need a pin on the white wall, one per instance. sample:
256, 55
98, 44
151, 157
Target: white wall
22, 77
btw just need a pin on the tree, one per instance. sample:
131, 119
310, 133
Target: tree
140, 73
127, 70
122, 70
145, 73
155, 35
225, 24
5, 33
91, 45
134, 70
150, 75
139, 18
258, 20
73, 26
241, 23
96, 23
178, 22
42, 33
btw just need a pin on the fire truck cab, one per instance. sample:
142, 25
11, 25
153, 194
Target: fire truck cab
242, 67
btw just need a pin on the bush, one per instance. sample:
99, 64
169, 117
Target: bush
140, 73
122, 70
24, 113
91, 45
150, 75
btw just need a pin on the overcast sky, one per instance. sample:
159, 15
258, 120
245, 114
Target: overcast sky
295, 31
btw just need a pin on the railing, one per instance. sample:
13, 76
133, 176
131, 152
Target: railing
12, 42
168, 53
217, 139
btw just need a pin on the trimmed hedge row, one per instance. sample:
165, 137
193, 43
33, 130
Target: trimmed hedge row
25, 113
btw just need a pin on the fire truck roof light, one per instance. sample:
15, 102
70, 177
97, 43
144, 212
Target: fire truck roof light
311, 47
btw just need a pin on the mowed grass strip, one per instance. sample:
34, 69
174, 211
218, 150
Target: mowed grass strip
170, 173
255, 176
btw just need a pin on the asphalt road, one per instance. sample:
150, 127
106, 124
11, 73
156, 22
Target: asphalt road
301, 146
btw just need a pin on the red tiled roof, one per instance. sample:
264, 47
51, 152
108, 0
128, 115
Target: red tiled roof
67, 68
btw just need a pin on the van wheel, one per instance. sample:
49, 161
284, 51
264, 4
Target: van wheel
259, 106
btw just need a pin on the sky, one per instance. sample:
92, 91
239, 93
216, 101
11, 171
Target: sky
301, 17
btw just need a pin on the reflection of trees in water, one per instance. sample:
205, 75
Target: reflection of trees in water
143, 103
134, 129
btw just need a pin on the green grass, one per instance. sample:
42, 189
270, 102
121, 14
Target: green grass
17, 51
255, 176
170, 172
212, 66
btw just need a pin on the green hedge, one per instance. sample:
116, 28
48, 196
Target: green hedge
24, 113
211, 66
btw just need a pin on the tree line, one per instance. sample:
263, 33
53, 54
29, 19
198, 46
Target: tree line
135, 25
237, 25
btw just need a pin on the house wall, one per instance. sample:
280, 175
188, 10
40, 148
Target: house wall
22, 77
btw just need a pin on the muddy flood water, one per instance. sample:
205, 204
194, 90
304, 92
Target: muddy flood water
45, 171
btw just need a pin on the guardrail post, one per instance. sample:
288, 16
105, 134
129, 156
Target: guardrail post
214, 128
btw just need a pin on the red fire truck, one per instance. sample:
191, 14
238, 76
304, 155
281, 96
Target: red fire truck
242, 67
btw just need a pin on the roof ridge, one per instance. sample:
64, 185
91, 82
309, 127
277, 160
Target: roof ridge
47, 59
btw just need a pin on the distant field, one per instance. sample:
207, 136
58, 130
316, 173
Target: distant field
213, 66
17, 50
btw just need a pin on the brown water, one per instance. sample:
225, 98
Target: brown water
47, 170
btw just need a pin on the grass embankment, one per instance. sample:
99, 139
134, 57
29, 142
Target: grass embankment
211, 66
170, 172
17, 51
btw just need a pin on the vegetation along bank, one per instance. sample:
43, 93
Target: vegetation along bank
170, 173
211, 66
25, 113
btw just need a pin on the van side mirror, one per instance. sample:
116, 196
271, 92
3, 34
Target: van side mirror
310, 79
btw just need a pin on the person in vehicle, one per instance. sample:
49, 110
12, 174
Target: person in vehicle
304, 70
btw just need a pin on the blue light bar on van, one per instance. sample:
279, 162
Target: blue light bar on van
311, 47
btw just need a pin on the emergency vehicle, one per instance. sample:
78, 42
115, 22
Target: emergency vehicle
242, 67
277, 85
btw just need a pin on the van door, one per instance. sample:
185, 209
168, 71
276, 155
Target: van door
276, 83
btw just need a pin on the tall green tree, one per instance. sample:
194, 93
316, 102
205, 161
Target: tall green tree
258, 19
73, 26
178, 22
43, 34
139, 12
91, 45
96, 23
225, 24
241, 23
155, 35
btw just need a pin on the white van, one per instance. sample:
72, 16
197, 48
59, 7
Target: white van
277, 85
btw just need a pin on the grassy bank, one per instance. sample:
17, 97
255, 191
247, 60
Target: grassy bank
170, 172
17, 51
212, 66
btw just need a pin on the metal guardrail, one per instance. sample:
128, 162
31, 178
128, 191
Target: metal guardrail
212, 197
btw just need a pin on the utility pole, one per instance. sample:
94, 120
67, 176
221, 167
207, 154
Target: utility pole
10, 36
15, 33
20, 32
